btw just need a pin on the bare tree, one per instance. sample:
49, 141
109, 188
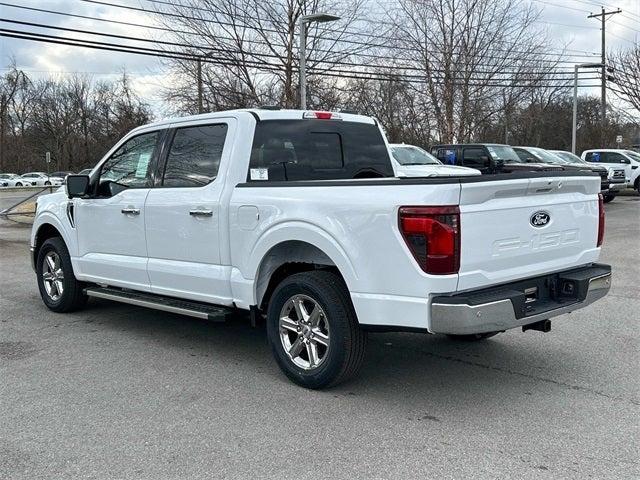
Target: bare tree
250, 49
473, 57
627, 75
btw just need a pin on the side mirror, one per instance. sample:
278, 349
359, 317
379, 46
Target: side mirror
77, 186
485, 160
626, 161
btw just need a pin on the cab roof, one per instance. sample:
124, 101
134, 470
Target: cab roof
261, 114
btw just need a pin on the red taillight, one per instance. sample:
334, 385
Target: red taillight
433, 236
600, 220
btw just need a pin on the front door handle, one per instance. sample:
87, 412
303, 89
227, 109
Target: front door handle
131, 211
201, 213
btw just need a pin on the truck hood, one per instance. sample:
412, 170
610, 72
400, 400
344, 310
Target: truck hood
434, 171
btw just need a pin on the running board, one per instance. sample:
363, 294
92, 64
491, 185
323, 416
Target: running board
160, 302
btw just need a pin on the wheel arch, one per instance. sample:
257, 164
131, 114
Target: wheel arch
293, 256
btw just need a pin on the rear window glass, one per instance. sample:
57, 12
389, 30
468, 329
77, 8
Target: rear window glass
317, 150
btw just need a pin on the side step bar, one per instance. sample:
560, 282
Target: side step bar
160, 302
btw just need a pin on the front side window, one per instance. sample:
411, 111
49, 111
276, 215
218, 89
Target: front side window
472, 157
613, 157
194, 156
130, 165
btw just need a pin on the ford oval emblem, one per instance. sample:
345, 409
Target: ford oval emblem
540, 219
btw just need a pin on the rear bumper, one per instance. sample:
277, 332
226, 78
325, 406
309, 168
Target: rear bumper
515, 304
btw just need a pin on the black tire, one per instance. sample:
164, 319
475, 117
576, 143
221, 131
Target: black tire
608, 198
473, 337
637, 185
72, 297
47, 183
18, 184
347, 341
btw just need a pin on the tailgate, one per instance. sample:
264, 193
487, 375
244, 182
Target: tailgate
514, 229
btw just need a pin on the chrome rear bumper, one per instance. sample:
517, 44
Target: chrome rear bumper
508, 307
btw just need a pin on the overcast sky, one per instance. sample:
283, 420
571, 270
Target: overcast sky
565, 21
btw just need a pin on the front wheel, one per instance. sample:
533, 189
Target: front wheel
59, 289
313, 330
607, 198
47, 183
18, 184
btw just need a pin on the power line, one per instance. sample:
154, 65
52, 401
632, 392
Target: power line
184, 32
220, 22
204, 48
177, 55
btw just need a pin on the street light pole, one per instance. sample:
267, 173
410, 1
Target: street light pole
574, 130
304, 20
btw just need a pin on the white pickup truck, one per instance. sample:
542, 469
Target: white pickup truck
297, 217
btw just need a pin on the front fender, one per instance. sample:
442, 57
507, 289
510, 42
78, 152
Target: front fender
53, 212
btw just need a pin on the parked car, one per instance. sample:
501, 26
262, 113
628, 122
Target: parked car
488, 158
615, 176
10, 180
307, 227
62, 174
412, 161
540, 155
40, 179
617, 158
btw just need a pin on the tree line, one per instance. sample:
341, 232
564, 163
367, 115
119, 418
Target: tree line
432, 71
74, 118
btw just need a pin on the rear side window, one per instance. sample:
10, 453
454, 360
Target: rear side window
317, 150
194, 156
593, 157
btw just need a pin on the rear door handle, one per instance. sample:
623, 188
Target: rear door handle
201, 213
130, 211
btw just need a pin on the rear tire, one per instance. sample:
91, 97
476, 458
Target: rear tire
59, 289
313, 330
47, 183
473, 337
608, 198
18, 184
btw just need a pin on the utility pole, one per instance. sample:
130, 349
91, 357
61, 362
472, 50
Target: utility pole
603, 86
3, 109
199, 75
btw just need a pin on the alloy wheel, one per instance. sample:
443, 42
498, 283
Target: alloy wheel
304, 332
53, 276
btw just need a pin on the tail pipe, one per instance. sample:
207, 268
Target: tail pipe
541, 326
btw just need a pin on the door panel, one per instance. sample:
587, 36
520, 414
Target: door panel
112, 246
183, 216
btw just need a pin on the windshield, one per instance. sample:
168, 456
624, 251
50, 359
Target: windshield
411, 155
546, 157
568, 156
504, 153
634, 155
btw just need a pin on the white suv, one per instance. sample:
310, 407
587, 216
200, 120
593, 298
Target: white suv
617, 158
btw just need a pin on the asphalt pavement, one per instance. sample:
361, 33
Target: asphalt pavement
117, 392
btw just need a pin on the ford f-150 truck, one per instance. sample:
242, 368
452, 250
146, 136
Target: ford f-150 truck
297, 217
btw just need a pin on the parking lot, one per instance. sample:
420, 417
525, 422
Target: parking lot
117, 391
